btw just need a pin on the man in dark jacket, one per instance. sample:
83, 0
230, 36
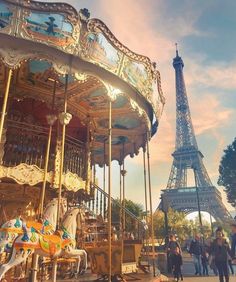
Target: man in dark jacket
196, 251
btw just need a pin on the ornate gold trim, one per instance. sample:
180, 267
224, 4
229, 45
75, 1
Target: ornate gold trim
24, 174
71, 12
96, 25
33, 175
73, 182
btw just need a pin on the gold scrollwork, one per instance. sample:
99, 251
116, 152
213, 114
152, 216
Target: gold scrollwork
32, 175
73, 182
95, 25
23, 174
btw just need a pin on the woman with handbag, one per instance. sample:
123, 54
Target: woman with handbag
220, 252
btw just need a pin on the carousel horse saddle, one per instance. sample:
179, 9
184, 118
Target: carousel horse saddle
38, 226
50, 244
34, 224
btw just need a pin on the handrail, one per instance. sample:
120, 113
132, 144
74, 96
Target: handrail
113, 201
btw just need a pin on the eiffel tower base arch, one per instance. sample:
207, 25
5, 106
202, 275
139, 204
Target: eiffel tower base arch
185, 200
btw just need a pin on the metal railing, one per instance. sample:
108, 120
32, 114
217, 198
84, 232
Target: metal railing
98, 206
26, 143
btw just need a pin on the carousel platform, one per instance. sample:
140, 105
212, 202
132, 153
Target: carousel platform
133, 277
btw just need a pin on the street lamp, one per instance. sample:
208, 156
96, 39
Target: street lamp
198, 202
164, 208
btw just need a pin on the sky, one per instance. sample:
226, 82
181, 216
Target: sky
206, 36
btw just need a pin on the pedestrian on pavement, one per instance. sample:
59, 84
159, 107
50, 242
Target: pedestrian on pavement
171, 246
195, 251
204, 258
211, 260
177, 262
220, 251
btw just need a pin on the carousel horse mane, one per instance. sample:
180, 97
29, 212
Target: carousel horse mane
53, 205
72, 221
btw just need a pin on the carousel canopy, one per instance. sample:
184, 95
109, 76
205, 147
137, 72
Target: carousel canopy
44, 41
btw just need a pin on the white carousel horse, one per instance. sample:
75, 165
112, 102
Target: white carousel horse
61, 245
14, 227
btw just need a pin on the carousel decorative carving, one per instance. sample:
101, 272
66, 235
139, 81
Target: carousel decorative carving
32, 175
51, 119
24, 174
73, 182
13, 57
65, 118
55, 181
71, 12
59, 26
96, 25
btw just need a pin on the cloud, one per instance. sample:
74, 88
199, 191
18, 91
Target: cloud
218, 75
208, 114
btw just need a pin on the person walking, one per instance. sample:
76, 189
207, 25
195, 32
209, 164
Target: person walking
177, 262
220, 251
171, 246
204, 258
195, 251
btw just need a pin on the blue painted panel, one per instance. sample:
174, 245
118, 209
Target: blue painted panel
48, 25
5, 15
136, 74
101, 51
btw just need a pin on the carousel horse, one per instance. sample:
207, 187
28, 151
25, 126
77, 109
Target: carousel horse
61, 244
14, 227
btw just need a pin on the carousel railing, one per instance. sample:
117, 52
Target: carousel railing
74, 159
134, 226
26, 143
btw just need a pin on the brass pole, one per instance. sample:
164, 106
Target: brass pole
145, 180
120, 202
104, 178
88, 159
4, 105
151, 212
50, 120
145, 194
62, 152
123, 182
45, 172
109, 196
121, 222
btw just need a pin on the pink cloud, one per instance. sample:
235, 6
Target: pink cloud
209, 114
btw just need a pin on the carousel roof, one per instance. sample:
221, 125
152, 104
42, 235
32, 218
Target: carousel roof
44, 41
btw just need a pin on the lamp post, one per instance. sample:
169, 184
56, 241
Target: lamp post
198, 202
164, 208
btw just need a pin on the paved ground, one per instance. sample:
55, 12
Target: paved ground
188, 270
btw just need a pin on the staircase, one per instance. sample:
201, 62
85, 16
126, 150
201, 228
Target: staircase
97, 209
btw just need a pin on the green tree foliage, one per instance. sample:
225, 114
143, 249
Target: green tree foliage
178, 224
134, 208
227, 171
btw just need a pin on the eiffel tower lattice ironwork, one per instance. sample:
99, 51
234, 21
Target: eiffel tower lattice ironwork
178, 195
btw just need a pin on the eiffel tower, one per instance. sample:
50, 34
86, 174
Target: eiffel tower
187, 157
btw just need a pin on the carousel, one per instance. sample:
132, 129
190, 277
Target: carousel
73, 99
